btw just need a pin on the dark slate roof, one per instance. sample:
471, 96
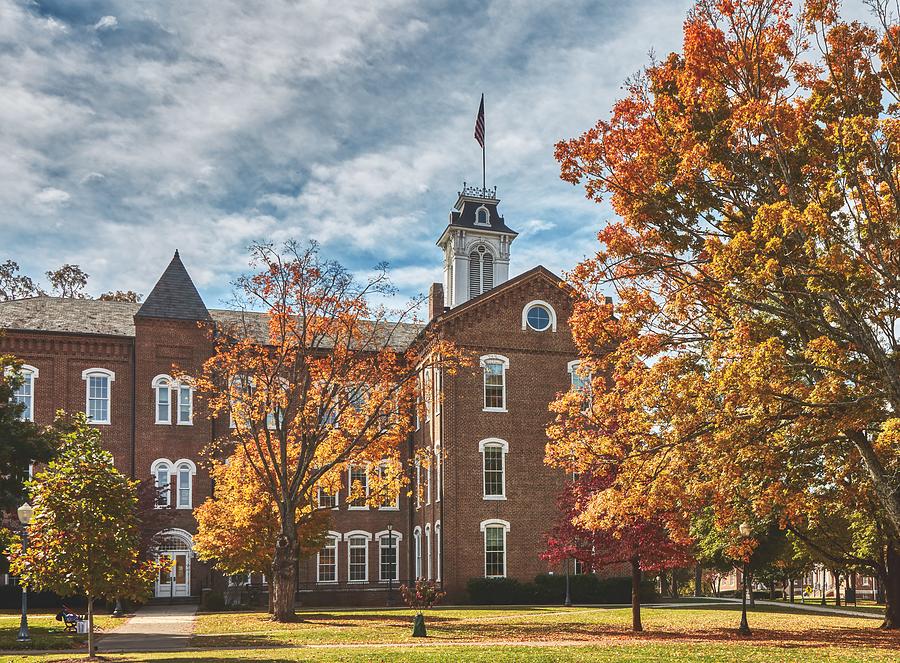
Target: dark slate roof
174, 296
463, 214
92, 316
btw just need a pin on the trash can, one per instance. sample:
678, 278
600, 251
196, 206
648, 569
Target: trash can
81, 626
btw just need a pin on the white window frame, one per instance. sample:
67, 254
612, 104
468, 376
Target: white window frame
428, 484
572, 368
418, 487
398, 537
110, 376
29, 374
395, 505
350, 505
503, 445
485, 224
181, 386
483, 361
192, 471
347, 537
437, 551
321, 491
155, 467
334, 538
496, 522
550, 310
438, 471
159, 383
417, 551
428, 551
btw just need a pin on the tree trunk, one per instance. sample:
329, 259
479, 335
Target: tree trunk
791, 588
673, 589
771, 590
636, 594
891, 584
837, 587
90, 616
698, 580
884, 488
824, 582
284, 578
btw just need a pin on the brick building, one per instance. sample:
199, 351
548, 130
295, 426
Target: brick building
483, 497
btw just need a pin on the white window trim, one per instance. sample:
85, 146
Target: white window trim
486, 224
193, 472
154, 468
335, 537
34, 374
398, 537
417, 552
190, 422
336, 495
504, 447
368, 537
498, 523
156, 384
111, 376
428, 566
351, 506
438, 472
483, 361
437, 550
538, 302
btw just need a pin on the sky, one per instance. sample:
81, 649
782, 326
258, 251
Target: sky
131, 129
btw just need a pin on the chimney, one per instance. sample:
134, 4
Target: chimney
435, 301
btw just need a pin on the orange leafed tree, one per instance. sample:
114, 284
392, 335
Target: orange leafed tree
753, 355
328, 382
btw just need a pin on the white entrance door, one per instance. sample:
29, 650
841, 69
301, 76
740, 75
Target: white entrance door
175, 576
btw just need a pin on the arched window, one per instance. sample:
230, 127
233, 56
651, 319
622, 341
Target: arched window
494, 382
481, 271
185, 471
482, 216
417, 547
358, 555
98, 383
579, 382
326, 560
162, 390
495, 532
388, 554
24, 393
437, 550
428, 551
161, 469
493, 452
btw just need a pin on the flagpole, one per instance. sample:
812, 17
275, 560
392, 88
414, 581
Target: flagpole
483, 174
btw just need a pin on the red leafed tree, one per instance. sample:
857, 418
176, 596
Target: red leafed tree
643, 542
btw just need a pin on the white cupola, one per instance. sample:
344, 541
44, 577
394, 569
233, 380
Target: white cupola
476, 246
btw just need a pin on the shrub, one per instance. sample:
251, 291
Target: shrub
547, 588
422, 596
215, 602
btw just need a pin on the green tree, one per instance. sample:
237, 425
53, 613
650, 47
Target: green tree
85, 534
23, 441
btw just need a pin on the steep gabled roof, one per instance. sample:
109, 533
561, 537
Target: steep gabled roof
174, 296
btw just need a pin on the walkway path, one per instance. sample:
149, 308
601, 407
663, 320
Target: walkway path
815, 608
153, 628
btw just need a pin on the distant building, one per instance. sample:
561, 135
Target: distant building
487, 497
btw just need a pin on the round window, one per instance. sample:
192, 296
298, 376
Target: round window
538, 318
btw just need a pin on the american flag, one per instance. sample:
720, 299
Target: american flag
479, 124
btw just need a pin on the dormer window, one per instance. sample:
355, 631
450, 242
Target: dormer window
482, 216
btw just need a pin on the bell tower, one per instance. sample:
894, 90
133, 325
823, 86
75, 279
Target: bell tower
475, 245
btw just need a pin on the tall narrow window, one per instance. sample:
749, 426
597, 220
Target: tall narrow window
390, 493
437, 550
185, 471
358, 558
185, 405
417, 548
495, 547
438, 475
24, 393
162, 393
579, 382
487, 272
493, 453
494, 367
359, 486
474, 274
428, 551
388, 549
326, 560
97, 382
428, 485
162, 474
418, 484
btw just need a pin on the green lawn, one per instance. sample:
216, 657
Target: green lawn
45, 631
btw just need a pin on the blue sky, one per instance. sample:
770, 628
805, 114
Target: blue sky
130, 129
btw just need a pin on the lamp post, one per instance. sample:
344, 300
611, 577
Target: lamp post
744, 528
568, 601
25, 512
390, 600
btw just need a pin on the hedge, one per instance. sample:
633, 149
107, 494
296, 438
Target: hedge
546, 588
11, 599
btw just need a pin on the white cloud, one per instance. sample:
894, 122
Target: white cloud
50, 198
106, 23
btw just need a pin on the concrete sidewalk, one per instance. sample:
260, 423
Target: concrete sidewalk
808, 607
153, 628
